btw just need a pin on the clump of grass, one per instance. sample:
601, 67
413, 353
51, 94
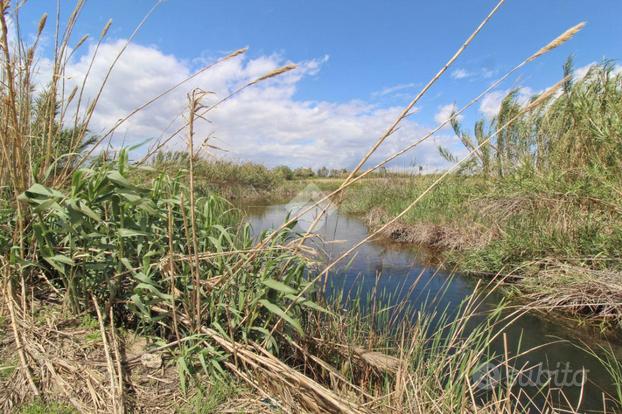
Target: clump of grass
220, 393
46, 408
7, 368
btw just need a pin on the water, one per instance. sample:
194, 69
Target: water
400, 266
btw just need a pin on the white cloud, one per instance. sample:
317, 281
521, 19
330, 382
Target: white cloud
444, 113
460, 74
395, 88
491, 102
488, 73
580, 73
266, 123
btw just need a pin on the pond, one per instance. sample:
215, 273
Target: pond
401, 271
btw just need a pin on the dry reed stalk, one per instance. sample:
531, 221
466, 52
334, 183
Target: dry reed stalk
423, 91
18, 341
117, 356
194, 105
334, 373
171, 271
110, 365
184, 219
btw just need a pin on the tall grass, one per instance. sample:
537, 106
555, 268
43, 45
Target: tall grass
170, 260
575, 134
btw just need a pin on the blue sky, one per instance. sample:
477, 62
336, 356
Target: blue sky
361, 59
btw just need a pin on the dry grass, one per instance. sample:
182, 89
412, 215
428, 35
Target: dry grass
442, 237
576, 289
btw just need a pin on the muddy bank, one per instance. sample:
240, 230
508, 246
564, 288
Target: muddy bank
439, 237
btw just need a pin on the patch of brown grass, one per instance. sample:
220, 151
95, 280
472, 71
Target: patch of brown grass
576, 289
434, 236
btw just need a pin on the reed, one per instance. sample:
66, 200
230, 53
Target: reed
109, 281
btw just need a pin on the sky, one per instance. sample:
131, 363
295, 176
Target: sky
359, 63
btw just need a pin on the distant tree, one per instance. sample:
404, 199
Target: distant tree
303, 172
284, 172
322, 172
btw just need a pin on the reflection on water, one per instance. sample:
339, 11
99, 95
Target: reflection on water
403, 275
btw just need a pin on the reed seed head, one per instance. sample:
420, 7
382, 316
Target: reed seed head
105, 29
81, 41
560, 40
546, 94
72, 94
237, 53
275, 72
42, 22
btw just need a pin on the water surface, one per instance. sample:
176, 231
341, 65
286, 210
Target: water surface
401, 271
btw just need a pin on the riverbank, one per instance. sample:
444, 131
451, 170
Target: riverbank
554, 240
560, 248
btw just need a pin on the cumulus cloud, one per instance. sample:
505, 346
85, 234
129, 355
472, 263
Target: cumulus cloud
580, 73
265, 123
444, 113
491, 102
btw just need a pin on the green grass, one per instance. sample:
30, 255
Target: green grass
40, 407
210, 401
7, 367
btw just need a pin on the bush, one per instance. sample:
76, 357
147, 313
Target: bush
132, 246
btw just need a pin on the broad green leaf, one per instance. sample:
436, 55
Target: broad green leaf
154, 290
40, 191
315, 306
182, 369
139, 304
62, 259
281, 313
118, 179
278, 286
123, 232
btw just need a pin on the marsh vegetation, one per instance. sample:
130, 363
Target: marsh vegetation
137, 286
